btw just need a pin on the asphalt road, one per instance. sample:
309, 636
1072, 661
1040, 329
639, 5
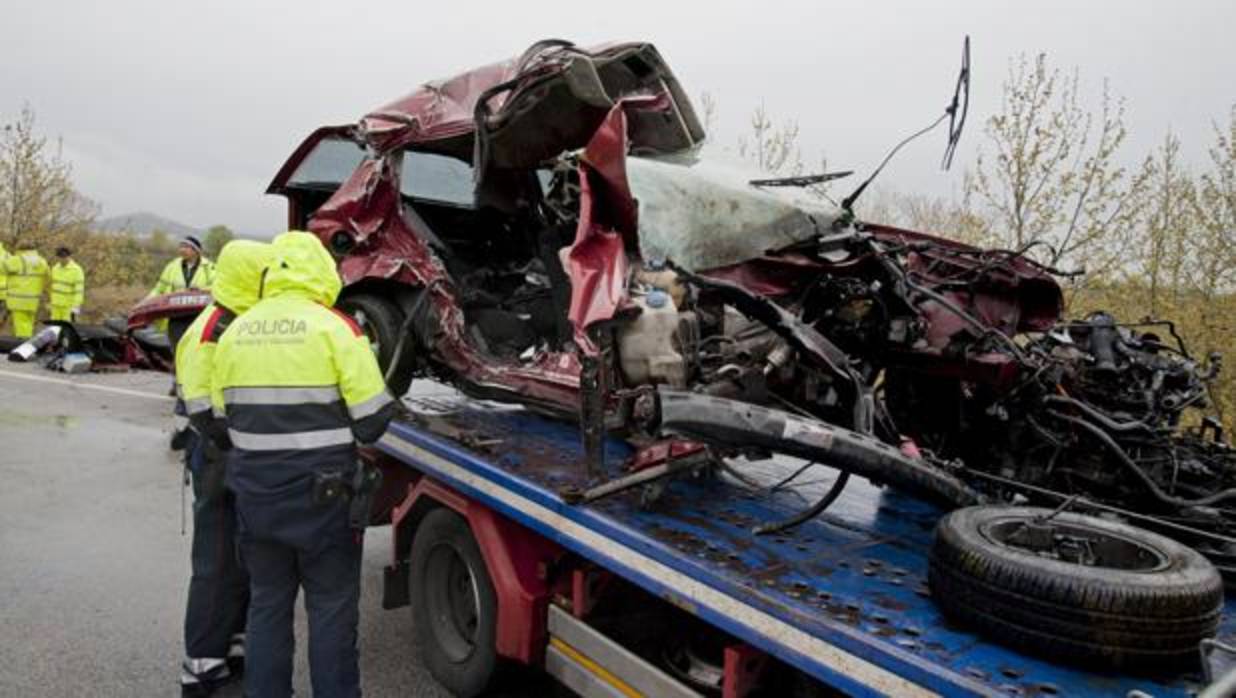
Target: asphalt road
93, 565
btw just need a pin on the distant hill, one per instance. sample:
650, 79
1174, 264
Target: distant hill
143, 224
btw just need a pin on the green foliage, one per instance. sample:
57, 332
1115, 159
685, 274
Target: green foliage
216, 237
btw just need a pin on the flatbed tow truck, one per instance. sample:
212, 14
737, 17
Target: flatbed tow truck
626, 596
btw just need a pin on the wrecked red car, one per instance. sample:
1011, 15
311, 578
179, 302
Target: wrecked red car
548, 231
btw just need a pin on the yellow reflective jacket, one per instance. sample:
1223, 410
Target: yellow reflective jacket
27, 277
172, 278
68, 285
238, 276
296, 379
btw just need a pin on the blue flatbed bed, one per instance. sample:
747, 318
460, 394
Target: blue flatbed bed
842, 598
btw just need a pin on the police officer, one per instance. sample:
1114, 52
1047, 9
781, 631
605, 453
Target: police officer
27, 275
299, 386
68, 287
219, 588
190, 269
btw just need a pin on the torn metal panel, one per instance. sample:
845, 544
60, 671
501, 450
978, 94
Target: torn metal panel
596, 262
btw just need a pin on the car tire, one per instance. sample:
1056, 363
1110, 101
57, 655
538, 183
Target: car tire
1144, 602
380, 320
454, 607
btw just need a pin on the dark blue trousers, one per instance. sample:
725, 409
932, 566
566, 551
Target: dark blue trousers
219, 588
289, 543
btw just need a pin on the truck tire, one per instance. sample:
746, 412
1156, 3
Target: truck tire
380, 320
1127, 599
454, 607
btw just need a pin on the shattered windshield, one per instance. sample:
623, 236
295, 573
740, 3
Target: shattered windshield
702, 212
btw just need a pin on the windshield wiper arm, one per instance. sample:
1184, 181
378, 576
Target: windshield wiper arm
800, 181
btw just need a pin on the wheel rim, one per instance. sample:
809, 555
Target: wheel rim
1074, 542
454, 602
371, 332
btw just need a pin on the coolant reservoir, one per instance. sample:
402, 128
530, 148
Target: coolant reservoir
648, 345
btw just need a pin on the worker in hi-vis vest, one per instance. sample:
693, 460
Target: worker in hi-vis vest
68, 287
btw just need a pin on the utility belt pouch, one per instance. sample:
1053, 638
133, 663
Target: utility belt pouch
365, 482
330, 486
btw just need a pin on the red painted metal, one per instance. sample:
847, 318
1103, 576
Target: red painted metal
663, 451
515, 558
743, 665
596, 262
588, 584
185, 303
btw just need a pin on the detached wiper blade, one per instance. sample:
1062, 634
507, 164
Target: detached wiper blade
801, 181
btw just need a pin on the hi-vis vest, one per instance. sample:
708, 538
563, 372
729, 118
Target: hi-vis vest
68, 285
172, 278
27, 276
295, 379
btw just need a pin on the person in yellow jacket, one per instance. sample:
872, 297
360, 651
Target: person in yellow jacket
190, 269
299, 387
219, 588
68, 287
27, 277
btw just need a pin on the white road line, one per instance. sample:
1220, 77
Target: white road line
87, 386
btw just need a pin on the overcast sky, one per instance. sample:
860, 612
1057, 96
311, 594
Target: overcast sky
188, 108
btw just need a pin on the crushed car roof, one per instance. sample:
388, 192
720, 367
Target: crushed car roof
451, 108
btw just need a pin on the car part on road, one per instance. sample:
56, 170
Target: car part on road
1075, 588
454, 608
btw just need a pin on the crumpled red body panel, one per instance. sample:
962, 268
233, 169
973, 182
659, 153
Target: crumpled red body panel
438, 110
596, 262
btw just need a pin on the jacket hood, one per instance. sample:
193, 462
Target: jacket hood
238, 274
302, 267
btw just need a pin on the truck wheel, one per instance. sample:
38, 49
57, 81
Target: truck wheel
454, 608
1075, 588
380, 320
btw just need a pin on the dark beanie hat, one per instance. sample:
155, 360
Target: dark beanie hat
192, 242
63, 252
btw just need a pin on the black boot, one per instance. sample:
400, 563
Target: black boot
236, 655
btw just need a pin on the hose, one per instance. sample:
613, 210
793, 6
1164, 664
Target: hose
1107, 422
1150, 484
809, 513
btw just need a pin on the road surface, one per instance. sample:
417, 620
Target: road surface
93, 565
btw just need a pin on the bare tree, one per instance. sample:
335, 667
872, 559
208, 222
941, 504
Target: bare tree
951, 218
1216, 214
1055, 176
37, 198
1168, 232
772, 147
708, 111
